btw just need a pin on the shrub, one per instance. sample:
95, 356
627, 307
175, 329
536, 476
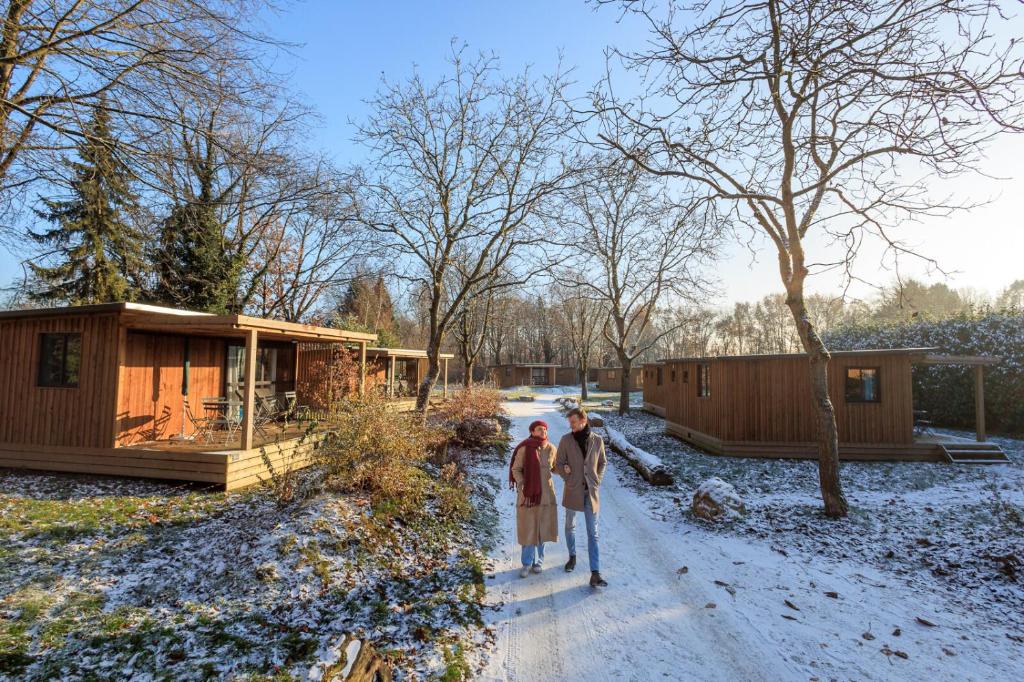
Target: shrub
373, 449
472, 402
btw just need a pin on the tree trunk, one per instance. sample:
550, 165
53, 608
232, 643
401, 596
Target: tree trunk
828, 433
430, 380
627, 365
584, 370
467, 380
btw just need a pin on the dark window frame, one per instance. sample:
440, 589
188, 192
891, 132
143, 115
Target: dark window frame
43, 373
861, 400
704, 380
661, 376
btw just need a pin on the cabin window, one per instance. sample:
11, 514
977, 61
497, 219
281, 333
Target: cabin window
862, 385
611, 375
703, 381
60, 358
686, 376
660, 376
508, 371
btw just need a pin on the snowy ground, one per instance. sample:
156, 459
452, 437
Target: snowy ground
128, 580
771, 597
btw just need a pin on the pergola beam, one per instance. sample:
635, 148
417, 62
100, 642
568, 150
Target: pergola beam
969, 360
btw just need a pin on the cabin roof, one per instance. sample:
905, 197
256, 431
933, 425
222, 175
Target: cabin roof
155, 318
404, 353
779, 356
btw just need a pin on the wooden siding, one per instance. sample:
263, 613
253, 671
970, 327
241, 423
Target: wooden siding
610, 379
567, 376
150, 405
507, 376
83, 416
768, 400
654, 393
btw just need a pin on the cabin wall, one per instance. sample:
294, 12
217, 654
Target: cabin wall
151, 405
653, 391
607, 382
82, 416
768, 400
566, 376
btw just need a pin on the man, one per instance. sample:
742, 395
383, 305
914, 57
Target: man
580, 461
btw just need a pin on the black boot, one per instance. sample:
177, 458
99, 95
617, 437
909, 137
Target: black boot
570, 565
596, 580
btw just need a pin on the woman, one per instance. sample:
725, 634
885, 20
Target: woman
536, 509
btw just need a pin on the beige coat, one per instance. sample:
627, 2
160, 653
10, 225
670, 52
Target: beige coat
538, 524
589, 468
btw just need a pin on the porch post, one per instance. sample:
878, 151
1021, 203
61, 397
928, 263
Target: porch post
979, 401
391, 379
362, 368
445, 393
249, 401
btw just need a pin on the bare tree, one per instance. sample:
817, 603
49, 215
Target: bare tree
636, 251
583, 321
59, 59
470, 330
462, 168
802, 117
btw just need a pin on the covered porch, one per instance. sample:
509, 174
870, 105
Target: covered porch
955, 449
398, 372
202, 397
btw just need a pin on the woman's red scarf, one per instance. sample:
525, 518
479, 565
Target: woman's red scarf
531, 469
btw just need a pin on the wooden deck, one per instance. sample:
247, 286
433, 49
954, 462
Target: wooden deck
929, 448
223, 465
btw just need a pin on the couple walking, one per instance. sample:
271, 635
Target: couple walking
580, 461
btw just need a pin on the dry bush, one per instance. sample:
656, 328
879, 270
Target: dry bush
474, 402
372, 449
330, 377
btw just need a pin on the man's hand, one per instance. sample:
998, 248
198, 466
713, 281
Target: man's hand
567, 469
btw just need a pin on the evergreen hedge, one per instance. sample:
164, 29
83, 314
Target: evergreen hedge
947, 392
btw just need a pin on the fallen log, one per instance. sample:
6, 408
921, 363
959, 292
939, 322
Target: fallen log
647, 465
360, 662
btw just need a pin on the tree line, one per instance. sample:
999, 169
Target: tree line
176, 169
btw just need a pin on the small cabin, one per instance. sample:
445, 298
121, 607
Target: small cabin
610, 379
127, 389
761, 406
654, 387
567, 376
524, 374
398, 372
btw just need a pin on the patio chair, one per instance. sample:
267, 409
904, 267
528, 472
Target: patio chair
266, 413
201, 426
289, 407
227, 417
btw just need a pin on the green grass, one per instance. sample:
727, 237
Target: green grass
64, 520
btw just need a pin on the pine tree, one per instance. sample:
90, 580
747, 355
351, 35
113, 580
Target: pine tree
96, 254
195, 268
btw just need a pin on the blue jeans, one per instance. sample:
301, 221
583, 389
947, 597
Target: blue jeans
570, 533
533, 555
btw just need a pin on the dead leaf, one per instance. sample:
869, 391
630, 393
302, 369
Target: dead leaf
791, 605
897, 632
948, 652
788, 617
683, 571
711, 605
834, 595
868, 636
922, 621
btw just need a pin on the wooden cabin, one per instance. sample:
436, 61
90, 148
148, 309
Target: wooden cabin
398, 372
115, 389
654, 387
610, 379
760, 406
567, 376
524, 374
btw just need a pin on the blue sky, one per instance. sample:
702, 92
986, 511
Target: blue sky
345, 47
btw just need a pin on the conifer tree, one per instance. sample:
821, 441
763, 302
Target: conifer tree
95, 255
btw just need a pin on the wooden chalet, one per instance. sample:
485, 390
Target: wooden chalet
567, 376
760, 406
524, 374
610, 379
398, 372
116, 388
654, 387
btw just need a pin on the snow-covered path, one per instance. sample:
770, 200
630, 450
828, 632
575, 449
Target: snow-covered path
650, 622
724, 617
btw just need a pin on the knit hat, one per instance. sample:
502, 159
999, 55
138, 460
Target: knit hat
538, 423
